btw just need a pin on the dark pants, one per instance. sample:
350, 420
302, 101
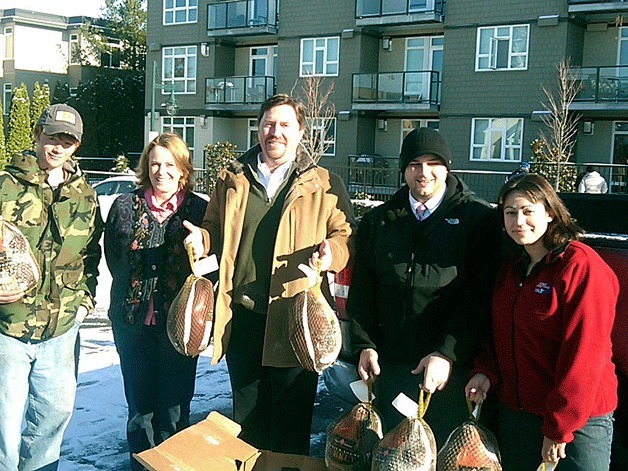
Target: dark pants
521, 440
447, 409
274, 406
158, 385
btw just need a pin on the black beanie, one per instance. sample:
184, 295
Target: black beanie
422, 141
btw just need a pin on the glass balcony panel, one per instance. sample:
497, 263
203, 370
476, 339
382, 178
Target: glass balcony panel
368, 8
392, 7
364, 87
217, 16
390, 87
236, 14
418, 5
414, 86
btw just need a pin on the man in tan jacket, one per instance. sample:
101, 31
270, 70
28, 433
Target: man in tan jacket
272, 210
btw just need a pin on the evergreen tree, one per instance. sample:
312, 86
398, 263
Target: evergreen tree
112, 115
127, 22
41, 101
61, 93
20, 131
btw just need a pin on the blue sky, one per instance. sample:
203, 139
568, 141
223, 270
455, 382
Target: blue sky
65, 7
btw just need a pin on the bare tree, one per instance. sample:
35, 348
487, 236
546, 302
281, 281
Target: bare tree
320, 112
556, 147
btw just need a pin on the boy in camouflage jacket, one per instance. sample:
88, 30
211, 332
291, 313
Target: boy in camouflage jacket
48, 198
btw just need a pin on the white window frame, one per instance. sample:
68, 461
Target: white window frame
416, 123
183, 126
185, 83
172, 10
74, 49
328, 65
497, 126
326, 133
498, 37
252, 129
8, 42
7, 96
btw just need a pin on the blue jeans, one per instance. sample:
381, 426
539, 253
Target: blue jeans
520, 442
39, 378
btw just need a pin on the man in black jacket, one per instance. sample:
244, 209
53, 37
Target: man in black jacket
419, 297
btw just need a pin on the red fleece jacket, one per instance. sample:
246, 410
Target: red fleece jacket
552, 339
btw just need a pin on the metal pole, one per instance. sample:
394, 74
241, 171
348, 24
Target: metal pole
152, 102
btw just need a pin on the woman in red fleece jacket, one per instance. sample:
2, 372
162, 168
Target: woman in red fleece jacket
550, 359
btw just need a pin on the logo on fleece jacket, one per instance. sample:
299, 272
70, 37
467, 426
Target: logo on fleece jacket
543, 288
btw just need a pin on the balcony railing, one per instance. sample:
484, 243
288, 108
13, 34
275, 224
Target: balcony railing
579, 2
238, 90
377, 8
241, 15
598, 9
602, 84
421, 87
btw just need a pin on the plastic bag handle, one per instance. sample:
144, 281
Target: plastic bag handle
424, 402
190, 250
474, 410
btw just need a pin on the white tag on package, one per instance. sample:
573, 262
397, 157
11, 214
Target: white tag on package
406, 406
206, 265
361, 391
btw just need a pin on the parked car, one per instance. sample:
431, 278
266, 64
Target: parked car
110, 188
115, 185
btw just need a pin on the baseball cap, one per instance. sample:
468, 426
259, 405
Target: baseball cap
61, 118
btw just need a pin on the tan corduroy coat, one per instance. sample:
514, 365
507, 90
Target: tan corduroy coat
317, 207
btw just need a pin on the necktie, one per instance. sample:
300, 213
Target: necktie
420, 212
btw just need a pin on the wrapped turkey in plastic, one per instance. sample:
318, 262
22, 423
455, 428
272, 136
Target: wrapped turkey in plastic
410, 446
314, 329
18, 268
351, 438
470, 446
191, 314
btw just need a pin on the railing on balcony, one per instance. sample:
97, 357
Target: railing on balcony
241, 14
574, 2
397, 87
602, 84
238, 90
373, 8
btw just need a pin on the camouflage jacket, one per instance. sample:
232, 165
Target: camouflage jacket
63, 227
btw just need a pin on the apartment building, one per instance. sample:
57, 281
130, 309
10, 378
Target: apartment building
474, 70
46, 48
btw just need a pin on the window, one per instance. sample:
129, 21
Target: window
180, 11
7, 95
179, 68
8, 43
497, 139
253, 138
112, 56
75, 49
324, 135
183, 126
502, 48
408, 125
319, 56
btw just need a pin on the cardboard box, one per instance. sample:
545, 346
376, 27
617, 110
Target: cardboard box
213, 445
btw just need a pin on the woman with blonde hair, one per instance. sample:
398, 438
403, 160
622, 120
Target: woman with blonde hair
144, 251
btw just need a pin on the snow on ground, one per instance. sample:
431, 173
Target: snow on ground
95, 438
